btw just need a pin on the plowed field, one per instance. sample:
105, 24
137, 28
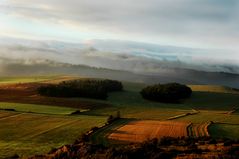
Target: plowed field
138, 131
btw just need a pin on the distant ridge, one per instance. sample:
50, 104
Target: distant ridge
11, 67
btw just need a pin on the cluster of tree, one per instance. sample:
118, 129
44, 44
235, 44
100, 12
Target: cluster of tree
88, 88
164, 148
171, 92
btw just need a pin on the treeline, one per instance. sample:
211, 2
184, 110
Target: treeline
171, 92
88, 88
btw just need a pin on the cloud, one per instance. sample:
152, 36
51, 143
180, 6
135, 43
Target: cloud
204, 23
119, 55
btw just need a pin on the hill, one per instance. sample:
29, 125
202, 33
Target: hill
164, 75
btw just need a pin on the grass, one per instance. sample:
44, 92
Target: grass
132, 105
213, 88
225, 125
213, 101
215, 116
139, 112
29, 134
224, 130
34, 108
26, 79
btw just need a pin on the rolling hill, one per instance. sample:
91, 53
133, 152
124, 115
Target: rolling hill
10, 67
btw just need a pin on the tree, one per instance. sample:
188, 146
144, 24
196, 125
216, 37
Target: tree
88, 88
171, 92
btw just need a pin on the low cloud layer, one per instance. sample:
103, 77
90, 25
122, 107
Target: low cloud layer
119, 55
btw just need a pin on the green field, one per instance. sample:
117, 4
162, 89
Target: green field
26, 79
224, 125
34, 108
213, 88
34, 129
224, 130
29, 134
215, 116
132, 105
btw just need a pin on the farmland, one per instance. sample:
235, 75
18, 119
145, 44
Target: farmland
40, 109
138, 131
221, 130
37, 123
132, 104
30, 124
27, 93
202, 108
198, 130
29, 134
26, 79
213, 88
33, 79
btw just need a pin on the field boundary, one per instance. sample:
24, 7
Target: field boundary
232, 111
184, 115
225, 123
48, 130
101, 135
11, 116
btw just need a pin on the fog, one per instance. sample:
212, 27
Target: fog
119, 55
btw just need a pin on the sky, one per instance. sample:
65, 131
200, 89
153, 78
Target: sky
202, 24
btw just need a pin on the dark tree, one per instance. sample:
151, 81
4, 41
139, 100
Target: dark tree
89, 88
171, 92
